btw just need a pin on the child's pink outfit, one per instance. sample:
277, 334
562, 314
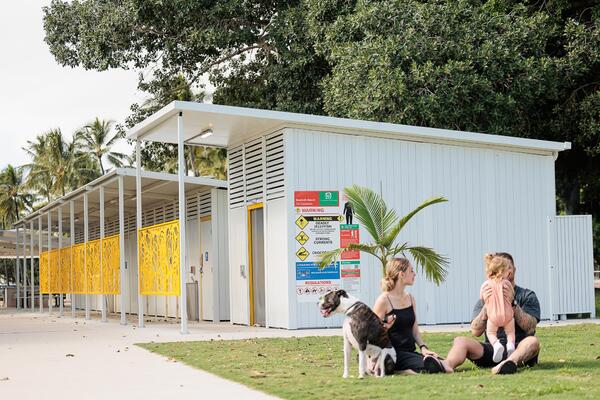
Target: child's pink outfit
500, 315
499, 310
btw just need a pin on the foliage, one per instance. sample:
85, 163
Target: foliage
511, 67
14, 196
311, 368
384, 226
58, 165
95, 139
201, 160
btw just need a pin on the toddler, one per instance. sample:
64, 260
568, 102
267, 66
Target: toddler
498, 305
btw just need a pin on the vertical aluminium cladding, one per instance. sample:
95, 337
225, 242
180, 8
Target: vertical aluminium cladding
256, 175
498, 201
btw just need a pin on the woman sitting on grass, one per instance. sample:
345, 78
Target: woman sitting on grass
397, 309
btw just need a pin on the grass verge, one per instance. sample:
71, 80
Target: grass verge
311, 368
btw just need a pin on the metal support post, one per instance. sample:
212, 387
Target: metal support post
182, 242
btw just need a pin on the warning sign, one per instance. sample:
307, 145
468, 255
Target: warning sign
349, 234
321, 228
301, 222
302, 253
302, 238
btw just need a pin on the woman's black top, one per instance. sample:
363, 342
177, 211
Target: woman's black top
400, 333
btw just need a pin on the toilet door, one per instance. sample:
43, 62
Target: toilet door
206, 276
256, 255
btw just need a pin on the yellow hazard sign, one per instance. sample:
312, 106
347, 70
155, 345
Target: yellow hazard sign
302, 238
302, 254
301, 222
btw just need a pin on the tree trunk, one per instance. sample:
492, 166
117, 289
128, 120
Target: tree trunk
101, 166
572, 200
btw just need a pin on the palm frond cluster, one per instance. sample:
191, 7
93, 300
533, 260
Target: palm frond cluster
384, 226
58, 165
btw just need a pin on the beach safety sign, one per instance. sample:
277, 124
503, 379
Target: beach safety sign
320, 228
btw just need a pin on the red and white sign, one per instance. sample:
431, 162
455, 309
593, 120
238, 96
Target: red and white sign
306, 199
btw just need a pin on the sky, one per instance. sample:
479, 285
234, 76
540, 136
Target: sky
37, 94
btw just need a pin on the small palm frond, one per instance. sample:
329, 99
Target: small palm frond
393, 233
371, 211
331, 256
328, 257
433, 264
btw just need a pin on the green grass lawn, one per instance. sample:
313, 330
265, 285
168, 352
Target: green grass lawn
311, 368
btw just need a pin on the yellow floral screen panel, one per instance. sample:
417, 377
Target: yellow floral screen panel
54, 260
158, 259
78, 253
93, 271
66, 285
44, 275
110, 265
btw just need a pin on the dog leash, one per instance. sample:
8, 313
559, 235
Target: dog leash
352, 306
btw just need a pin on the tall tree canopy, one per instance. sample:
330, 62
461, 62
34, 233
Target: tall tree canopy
522, 68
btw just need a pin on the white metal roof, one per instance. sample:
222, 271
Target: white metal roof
157, 187
232, 125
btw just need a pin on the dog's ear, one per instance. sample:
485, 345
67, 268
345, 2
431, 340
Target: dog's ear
342, 293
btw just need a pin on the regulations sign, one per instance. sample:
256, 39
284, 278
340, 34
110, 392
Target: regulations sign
320, 228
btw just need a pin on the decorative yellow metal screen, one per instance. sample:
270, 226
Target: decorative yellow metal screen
110, 265
66, 283
93, 271
54, 256
78, 253
158, 259
44, 273
77, 269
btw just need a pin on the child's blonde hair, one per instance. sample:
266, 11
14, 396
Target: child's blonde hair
495, 265
393, 268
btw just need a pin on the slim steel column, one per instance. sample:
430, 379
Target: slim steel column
60, 233
122, 249
138, 202
40, 251
18, 270
85, 239
72, 227
102, 295
182, 243
49, 248
32, 281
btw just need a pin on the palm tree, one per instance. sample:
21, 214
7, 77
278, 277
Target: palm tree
38, 180
14, 197
384, 225
59, 164
95, 138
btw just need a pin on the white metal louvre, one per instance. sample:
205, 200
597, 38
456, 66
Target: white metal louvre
236, 177
254, 170
204, 204
275, 186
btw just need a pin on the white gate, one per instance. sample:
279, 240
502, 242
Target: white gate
570, 252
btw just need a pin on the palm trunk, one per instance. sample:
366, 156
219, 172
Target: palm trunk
100, 162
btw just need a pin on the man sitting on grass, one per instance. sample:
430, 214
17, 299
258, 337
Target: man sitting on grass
526, 313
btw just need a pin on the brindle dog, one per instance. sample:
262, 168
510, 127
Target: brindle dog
363, 330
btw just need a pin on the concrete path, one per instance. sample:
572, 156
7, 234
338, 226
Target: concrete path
48, 357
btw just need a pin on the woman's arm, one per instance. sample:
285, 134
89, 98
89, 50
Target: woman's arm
381, 308
417, 334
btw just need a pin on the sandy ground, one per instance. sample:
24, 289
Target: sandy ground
43, 356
